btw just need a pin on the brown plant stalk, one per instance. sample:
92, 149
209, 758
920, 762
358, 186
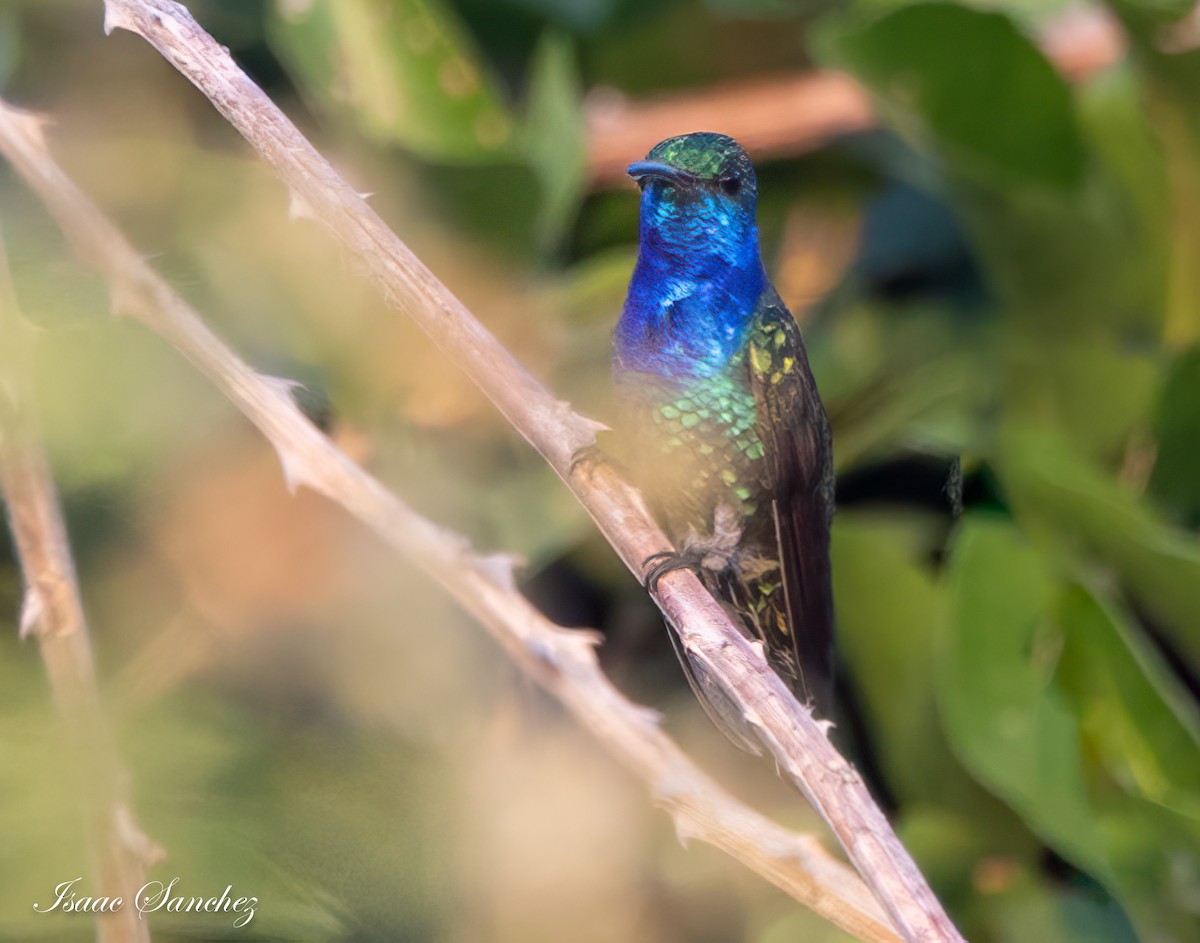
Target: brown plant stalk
798, 741
787, 115
562, 661
53, 613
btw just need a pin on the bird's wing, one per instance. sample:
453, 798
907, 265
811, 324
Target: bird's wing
797, 624
727, 716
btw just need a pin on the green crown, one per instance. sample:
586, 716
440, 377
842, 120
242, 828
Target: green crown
705, 154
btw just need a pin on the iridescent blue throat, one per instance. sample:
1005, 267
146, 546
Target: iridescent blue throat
698, 280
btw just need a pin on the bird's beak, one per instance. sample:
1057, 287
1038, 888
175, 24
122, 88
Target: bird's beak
640, 169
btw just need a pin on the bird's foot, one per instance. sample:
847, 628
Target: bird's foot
589, 455
658, 565
714, 553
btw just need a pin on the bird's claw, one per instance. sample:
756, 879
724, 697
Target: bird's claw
587, 455
658, 565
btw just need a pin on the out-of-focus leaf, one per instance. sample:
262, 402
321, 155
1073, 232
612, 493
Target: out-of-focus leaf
553, 135
1091, 390
1002, 715
444, 479
887, 636
1044, 211
1181, 148
1031, 911
1063, 499
10, 43
1156, 863
762, 8
1129, 152
946, 845
573, 14
1012, 722
406, 70
801, 924
223, 794
1032, 11
1076, 299
99, 423
988, 96
919, 382
1162, 35
1160, 12
1176, 478
913, 243
1143, 728
594, 289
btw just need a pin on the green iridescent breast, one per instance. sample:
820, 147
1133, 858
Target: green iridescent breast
710, 429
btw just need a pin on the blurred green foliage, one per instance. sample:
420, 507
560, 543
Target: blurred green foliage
1021, 679
408, 71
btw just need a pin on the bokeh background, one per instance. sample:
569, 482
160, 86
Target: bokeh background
999, 283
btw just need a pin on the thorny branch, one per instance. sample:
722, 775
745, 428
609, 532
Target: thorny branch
562, 661
798, 741
53, 613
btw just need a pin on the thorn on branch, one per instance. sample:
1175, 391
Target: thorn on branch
144, 848
31, 125
685, 829
32, 612
285, 386
299, 209
117, 17
499, 568
564, 649
294, 468
123, 301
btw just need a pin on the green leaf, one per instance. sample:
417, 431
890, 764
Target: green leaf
1091, 389
921, 382
974, 84
1032, 13
1046, 208
1003, 717
1030, 911
1147, 13
1176, 478
578, 15
887, 637
1135, 718
1074, 506
1062, 716
1161, 36
404, 68
765, 9
553, 135
1129, 150
948, 845
1155, 855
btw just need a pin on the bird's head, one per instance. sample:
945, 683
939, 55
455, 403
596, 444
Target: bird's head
697, 167
697, 186
699, 274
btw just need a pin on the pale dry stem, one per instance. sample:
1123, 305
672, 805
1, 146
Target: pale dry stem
786, 115
53, 613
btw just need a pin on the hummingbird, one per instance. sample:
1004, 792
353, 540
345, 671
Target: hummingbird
727, 432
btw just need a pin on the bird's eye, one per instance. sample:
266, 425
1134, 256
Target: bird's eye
731, 185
